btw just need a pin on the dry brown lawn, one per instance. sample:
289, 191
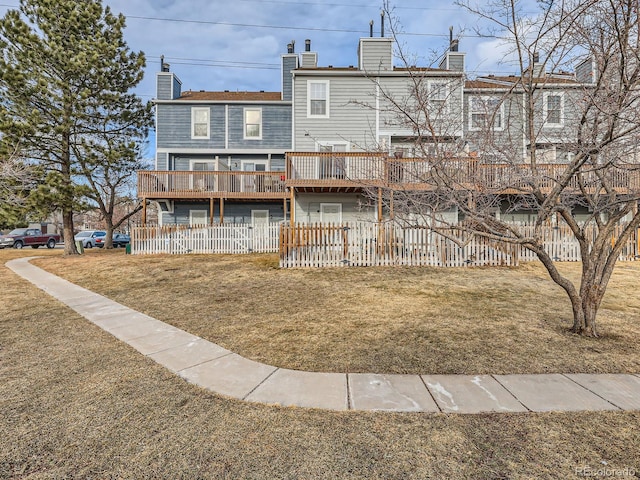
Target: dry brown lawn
382, 320
77, 403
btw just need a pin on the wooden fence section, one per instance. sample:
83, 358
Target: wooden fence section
322, 245
367, 244
225, 238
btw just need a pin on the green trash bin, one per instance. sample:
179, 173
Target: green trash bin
79, 246
127, 249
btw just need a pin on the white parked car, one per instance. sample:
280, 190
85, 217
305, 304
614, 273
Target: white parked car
90, 238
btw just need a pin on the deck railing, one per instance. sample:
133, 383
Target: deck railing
331, 168
197, 184
372, 169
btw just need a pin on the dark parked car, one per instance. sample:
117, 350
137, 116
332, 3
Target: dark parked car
28, 237
120, 240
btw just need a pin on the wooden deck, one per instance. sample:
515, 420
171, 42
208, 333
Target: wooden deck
307, 171
349, 172
216, 184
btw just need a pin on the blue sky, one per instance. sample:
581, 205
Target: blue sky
232, 45
236, 45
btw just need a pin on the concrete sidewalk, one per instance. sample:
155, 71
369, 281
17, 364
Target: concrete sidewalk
221, 371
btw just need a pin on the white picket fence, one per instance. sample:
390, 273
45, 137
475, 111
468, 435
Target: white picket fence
365, 244
358, 244
225, 238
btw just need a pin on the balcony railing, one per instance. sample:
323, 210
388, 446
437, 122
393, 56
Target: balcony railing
366, 169
215, 184
345, 169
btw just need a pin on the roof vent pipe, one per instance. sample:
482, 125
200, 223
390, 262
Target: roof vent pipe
307, 45
371, 28
382, 23
164, 67
289, 48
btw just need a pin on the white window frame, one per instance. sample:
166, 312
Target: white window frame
194, 213
254, 215
245, 124
545, 109
442, 102
194, 113
326, 99
333, 144
193, 161
322, 207
484, 99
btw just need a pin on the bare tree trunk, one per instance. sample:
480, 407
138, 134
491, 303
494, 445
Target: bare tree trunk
108, 239
67, 209
67, 225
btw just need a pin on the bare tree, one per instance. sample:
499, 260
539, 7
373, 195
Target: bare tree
109, 166
561, 147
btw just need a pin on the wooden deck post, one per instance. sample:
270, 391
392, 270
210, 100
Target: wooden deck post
211, 206
221, 211
284, 208
379, 204
292, 208
144, 212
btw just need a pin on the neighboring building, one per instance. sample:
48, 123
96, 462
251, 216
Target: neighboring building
220, 156
504, 129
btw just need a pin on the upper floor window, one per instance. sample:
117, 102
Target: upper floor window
437, 91
200, 125
486, 112
553, 109
318, 98
253, 123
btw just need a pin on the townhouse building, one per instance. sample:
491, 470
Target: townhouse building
220, 156
326, 147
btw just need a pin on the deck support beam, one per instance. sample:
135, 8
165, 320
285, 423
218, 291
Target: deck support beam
211, 206
292, 208
221, 211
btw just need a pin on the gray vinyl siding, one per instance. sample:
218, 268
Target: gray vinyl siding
168, 87
276, 127
447, 123
347, 121
307, 207
352, 114
174, 127
233, 212
289, 63
456, 62
163, 86
308, 59
162, 161
557, 134
177, 87
376, 55
585, 72
510, 139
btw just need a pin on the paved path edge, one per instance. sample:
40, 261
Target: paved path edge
216, 369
